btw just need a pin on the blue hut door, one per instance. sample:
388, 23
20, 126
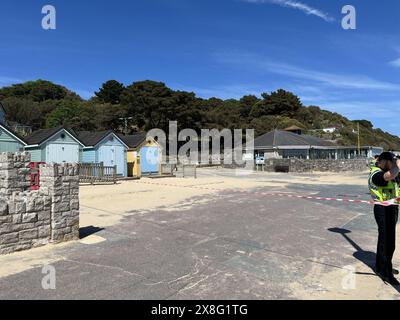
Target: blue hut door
106, 156
59, 153
112, 156
149, 159
120, 159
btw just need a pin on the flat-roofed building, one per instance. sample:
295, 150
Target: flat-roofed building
286, 144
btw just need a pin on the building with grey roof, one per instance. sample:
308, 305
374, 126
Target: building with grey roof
286, 144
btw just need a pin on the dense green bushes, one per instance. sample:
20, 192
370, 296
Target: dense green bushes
151, 104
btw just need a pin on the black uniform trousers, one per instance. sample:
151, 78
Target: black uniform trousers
386, 218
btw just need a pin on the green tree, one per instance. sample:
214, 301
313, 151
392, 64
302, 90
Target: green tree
38, 91
23, 111
108, 117
278, 103
110, 92
246, 104
153, 105
149, 102
67, 113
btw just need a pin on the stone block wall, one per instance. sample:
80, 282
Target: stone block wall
61, 183
14, 172
24, 221
325, 165
33, 218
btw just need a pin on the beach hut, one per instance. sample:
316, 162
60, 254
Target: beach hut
55, 145
144, 155
9, 140
104, 147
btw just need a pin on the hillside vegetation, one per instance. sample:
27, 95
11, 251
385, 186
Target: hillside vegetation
150, 104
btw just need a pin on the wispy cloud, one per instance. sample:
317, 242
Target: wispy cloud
297, 6
377, 110
395, 63
346, 81
331, 79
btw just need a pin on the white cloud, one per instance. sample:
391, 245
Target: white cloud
345, 81
331, 79
395, 63
374, 110
380, 114
297, 6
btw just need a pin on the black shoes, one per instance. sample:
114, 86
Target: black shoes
394, 271
391, 280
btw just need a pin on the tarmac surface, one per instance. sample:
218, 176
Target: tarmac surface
227, 244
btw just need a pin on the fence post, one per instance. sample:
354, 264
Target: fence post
115, 174
92, 170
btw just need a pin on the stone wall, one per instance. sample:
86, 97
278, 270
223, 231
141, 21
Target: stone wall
14, 172
300, 165
61, 183
33, 218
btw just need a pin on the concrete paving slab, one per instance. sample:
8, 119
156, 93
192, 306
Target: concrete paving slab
211, 244
74, 280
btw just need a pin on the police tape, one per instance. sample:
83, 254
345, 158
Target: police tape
395, 201
387, 203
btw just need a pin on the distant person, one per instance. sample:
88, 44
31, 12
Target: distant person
373, 162
384, 187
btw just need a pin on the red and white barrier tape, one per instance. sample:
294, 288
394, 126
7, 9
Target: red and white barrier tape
391, 202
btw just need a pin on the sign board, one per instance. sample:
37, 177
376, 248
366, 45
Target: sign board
248, 157
260, 160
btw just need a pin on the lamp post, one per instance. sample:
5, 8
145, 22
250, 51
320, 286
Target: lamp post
126, 119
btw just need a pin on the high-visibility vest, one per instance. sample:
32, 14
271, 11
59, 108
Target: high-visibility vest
381, 194
372, 164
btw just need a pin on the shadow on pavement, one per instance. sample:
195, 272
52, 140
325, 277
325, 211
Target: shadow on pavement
366, 257
87, 231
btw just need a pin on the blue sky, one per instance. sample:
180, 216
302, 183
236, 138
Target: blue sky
223, 48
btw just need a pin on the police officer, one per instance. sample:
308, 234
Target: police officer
383, 187
373, 162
